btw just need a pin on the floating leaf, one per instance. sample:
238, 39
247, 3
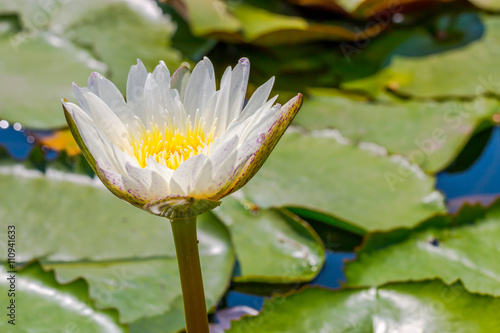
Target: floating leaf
43, 305
467, 252
31, 93
360, 185
118, 32
259, 23
464, 71
127, 256
430, 134
362, 8
207, 17
493, 5
425, 307
272, 245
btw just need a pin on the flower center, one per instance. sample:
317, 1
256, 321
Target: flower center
170, 147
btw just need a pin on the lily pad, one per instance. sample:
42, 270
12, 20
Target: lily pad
464, 71
360, 185
41, 304
207, 17
407, 307
430, 134
131, 32
265, 23
493, 5
36, 74
271, 245
467, 252
127, 256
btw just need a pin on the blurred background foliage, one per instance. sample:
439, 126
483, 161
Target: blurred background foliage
390, 166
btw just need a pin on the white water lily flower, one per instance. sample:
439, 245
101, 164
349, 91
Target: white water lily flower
177, 145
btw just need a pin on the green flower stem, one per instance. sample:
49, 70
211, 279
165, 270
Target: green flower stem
188, 258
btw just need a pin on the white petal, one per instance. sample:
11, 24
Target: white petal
180, 79
203, 183
221, 110
125, 184
79, 96
258, 99
176, 189
150, 180
221, 152
239, 82
107, 121
88, 132
208, 115
113, 178
135, 83
162, 75
261, 122
200, 87
161, 169
232, 166
109, 94
185, 174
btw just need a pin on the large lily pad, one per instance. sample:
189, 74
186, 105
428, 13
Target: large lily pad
36, 74
464, 71
430, 134
380, 9
468, 252
127, 256
271, 245
361, 185
130, 32
73, 39
42, 305
265, 23
408, 307
493, 5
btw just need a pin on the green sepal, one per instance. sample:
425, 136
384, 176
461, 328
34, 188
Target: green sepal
79, 140
272, 137
180, 207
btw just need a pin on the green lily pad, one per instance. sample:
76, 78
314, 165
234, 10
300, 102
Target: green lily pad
430, 134
264, 23
207, 17
493, 5
127, 256
131, 32
271, 245
467, 252
43, 305
36, 74
33, 15
360, 185
464, 71
407, 307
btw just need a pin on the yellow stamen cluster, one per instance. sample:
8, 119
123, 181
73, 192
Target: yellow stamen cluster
170, 147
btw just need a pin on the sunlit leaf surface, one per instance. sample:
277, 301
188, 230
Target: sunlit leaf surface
424, 307
468, 252
127, 256
429, 134
359, 184
40, 302
271, 245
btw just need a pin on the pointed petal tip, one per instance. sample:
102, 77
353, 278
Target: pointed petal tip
244, 61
